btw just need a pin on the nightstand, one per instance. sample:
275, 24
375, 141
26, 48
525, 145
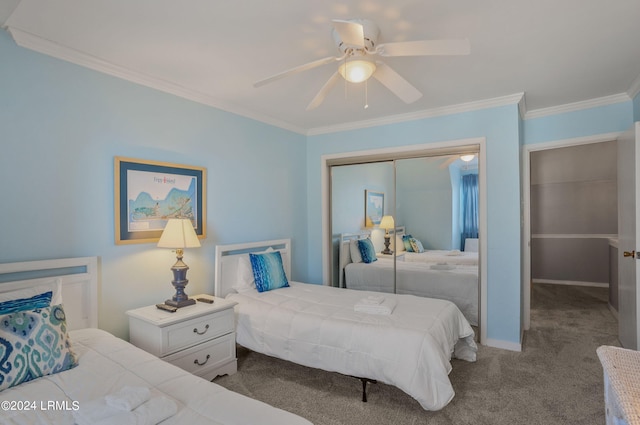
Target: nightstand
399, 256
199, 338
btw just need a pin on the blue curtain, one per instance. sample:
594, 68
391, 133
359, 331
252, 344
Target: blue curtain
469, 207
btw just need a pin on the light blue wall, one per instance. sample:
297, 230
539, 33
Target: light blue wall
61, 126
636, 108
586, 122
500, 127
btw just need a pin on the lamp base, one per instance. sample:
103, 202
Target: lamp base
180, 304
179, 269
386, 250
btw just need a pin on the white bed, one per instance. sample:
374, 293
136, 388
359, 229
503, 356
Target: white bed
456, 283
469, 257
317, 326
107, 364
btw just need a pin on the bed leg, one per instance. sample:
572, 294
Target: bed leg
364, 387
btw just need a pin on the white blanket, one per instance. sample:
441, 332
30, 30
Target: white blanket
460, 285
108, 364
317, 326
464, 258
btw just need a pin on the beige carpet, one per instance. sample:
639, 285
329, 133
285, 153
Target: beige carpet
556, 379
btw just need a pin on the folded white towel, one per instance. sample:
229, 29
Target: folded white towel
151, 412
372, 300
94, 411
128, 398
385, 308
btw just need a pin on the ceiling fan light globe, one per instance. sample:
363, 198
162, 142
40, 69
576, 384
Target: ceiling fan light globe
357, 71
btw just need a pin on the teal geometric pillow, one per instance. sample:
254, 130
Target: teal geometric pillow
22, 304
34, 344
367, 251
268, 271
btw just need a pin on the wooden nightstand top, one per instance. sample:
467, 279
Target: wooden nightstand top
161, 318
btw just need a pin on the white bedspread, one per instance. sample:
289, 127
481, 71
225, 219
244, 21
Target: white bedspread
317, 326
460, 285
106, 364
464, 258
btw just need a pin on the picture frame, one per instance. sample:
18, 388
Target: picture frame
373, 207
149, 193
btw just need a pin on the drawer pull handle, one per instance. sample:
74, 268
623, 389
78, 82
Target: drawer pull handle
206, 328
205, 361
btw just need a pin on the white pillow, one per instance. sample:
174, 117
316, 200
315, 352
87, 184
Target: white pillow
45, 285
354, 250
245, 281
399, 244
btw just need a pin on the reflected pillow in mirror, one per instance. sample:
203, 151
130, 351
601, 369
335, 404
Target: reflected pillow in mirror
354, 250
367, 251
406, 241
416, 245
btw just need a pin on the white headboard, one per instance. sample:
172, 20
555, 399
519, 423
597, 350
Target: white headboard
345, 253
227, 261
79, 277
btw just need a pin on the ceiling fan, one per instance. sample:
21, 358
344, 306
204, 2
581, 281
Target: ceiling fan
356, 40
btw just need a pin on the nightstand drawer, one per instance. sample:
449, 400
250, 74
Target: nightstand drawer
204, 358
195, 331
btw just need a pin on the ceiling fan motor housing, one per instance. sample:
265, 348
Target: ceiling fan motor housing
371, 33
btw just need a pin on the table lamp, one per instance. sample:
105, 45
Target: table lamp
179, 234
387, 223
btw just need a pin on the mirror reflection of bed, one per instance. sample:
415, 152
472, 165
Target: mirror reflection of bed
434, 200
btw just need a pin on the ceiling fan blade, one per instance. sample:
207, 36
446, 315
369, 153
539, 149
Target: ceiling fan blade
394, 82
323, 92
297, 69
425, 48
351, 33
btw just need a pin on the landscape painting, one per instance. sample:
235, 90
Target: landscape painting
148, 194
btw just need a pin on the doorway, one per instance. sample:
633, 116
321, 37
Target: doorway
570, 215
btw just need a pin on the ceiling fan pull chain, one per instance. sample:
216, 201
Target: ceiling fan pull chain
366, 94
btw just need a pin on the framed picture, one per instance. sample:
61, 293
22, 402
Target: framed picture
149, 193
373, 207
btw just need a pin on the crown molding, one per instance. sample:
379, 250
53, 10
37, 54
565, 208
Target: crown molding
634, 89
577, 106
47, 47
428, 113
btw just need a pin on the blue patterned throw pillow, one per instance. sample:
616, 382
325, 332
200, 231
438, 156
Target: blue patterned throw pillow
406, 240
268, 271
34, 344
367, 251
37, 301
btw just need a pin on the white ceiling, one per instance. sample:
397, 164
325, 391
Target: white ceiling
555, 51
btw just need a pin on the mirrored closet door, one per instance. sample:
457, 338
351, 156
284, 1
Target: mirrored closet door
433, 242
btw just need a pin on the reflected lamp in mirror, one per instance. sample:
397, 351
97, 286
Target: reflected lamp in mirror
467, 158
387, 223
179, 234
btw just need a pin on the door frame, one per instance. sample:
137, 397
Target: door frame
526, 210
425, 149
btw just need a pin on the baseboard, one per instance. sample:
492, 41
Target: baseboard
505, 345
572, 282
613, 311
